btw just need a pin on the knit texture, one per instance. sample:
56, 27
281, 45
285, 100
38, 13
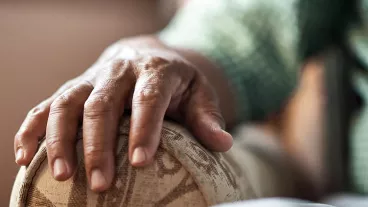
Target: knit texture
261, 44
251, 43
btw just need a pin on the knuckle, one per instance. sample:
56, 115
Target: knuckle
118, 65
61, 102
98, 105
122, 69
85, 84
154, 63
147, 95
53, 142
93, 151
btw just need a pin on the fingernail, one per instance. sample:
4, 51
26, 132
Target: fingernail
19, 155
98, 180
227, 133
228, 143
59, 167
139, 155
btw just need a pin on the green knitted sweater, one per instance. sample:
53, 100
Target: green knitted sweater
260, 45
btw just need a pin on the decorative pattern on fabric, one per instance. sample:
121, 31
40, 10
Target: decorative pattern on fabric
183, 173
160, 184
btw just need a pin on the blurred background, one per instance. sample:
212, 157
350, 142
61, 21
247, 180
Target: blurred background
45, 43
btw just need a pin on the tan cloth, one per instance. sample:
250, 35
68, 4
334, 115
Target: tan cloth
183, 173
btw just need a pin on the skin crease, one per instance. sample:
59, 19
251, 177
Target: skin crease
140, 74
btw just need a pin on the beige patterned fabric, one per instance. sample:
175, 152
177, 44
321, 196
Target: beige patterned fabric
183, 173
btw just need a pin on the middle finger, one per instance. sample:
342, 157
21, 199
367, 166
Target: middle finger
102, 111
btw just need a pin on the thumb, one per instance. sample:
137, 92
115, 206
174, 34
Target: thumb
203, 117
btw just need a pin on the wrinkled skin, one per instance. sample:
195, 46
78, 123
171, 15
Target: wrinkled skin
140, 74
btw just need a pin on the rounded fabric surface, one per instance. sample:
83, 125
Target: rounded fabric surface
183, 173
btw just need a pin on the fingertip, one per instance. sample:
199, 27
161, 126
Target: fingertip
101, 173
139, 157
19, 155
98, 181
226, 140
23, 157
62, 171
25, 147
215, 138
220, 141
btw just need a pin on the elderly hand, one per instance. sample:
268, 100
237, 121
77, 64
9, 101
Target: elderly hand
141, 74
